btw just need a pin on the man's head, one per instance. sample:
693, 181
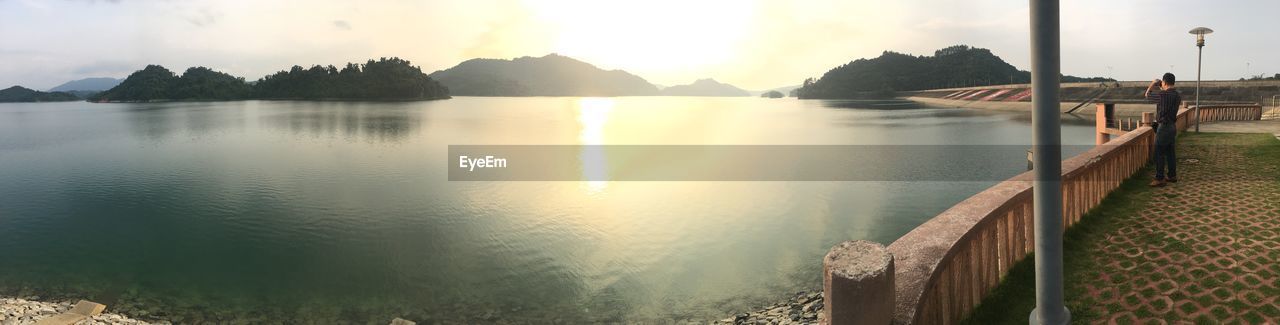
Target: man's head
1168, 80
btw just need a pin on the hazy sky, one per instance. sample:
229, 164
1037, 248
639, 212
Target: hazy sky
755, 44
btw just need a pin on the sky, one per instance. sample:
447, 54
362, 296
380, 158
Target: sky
754, 44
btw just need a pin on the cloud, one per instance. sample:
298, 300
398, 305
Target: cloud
108, 68
342, 24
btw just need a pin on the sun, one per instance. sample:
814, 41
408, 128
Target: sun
651, 35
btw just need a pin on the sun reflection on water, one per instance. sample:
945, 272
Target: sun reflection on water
593, 113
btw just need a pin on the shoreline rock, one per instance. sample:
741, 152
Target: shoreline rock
22, 311
801, 308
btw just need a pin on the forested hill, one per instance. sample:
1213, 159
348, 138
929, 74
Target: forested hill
157, 83
22, 94
955, 66
384, 79
550, 75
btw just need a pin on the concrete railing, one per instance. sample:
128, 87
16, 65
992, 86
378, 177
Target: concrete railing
1240, 112
943, 268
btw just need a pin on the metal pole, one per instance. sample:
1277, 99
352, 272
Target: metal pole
1199, 59
1047, 156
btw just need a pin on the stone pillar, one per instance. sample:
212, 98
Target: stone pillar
857, 284
1102, 119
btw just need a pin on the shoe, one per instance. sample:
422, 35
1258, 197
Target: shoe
1157, 183
1172, 180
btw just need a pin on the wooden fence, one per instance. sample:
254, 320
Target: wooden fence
1233, 112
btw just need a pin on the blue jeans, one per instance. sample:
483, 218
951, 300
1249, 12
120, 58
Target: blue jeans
1165, 134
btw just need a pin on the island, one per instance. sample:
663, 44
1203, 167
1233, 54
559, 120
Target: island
773, 94
19, 94
788, 91
383, 79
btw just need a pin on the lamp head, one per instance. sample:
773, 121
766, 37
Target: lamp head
1200, 32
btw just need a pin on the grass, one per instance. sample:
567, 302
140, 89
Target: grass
1264, 147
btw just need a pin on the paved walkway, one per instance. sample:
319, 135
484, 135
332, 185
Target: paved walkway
1205, 250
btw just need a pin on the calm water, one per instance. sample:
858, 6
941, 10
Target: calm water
328, 212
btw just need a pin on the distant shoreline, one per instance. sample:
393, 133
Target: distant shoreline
403, 100
264, 99
373, 100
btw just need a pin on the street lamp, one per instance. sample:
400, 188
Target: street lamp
1046, 154
1199, 32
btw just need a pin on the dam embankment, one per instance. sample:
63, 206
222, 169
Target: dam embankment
1126, 94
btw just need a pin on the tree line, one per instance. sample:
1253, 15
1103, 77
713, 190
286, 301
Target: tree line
383, 79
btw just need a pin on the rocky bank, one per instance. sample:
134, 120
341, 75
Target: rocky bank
801, 308
23, 311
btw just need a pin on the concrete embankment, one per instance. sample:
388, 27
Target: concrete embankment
1127, 95
1122, 109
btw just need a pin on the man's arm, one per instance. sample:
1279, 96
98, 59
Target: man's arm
1152, 95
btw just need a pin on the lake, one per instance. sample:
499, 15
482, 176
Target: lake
343, 212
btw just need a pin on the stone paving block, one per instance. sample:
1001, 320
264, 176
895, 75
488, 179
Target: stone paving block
1205, 250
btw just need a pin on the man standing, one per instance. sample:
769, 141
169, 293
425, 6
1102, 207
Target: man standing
1167, 99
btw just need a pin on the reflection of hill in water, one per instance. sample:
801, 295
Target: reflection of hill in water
159, 121
367, 121
374, 122
872, 104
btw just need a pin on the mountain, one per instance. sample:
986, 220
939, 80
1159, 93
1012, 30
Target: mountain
954, 66
88, 84
384, 79
22, 94
705, 87
551, 75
